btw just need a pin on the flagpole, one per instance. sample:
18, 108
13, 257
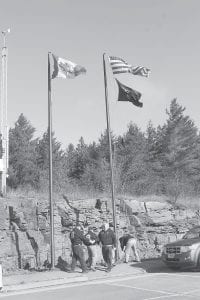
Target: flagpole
51, 204
3, 117
110, 152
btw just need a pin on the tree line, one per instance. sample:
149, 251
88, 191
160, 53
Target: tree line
163, 160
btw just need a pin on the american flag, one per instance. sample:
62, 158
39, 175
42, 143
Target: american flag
119, 65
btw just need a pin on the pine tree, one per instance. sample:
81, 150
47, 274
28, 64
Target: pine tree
58, 161
179, 151
22, 154
103, 145
77, 160
97, 172
153, 151
130, 156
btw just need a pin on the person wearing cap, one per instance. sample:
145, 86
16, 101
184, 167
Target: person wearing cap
93, 240
107, 239
77, 240
128, 242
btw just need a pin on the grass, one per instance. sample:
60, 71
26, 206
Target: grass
76, 193
189, 202
146, 198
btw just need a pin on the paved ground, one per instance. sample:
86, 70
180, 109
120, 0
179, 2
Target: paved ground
157, 283
29, 280
136, 287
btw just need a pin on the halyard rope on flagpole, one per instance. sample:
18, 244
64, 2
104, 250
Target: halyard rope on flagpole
110, 152
51, 203
64, 69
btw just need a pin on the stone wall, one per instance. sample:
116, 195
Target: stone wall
8, 252
25, 230
158, 223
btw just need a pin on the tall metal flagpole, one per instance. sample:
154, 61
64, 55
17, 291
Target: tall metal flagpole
52, 245
3, 122
110, 150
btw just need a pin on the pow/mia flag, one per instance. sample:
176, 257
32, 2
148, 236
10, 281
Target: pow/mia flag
128, 94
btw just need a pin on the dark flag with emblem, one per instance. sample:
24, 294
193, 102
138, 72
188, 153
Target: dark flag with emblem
128, 94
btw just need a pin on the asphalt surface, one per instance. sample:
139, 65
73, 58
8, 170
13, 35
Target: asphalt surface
158, 283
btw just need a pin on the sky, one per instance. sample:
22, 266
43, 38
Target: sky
162, 35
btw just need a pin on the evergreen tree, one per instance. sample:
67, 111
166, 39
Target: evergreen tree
87, 165
179, 151
99, 167
22, 154
77, 160
103, 145
130, 156
58, 161
153, 152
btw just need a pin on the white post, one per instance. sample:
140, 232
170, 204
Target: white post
3, 122
1, 278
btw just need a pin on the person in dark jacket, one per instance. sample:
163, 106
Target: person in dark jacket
93, 240
77, 240
128, 242
107, 239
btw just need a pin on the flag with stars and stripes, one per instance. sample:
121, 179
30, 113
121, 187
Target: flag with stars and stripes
119, 65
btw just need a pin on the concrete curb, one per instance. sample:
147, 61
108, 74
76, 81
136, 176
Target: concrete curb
43, 284
63, 281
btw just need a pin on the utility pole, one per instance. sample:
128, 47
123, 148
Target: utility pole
3, 118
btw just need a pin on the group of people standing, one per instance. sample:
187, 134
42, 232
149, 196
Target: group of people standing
106, 238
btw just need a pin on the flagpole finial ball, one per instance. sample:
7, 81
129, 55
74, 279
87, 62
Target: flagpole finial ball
6, 31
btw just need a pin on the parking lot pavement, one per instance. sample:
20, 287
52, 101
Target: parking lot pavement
158, 266
32, 280
153, 266
153, 280
167, 286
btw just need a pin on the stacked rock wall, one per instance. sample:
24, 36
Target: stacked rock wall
25, 226
8, 252
158, 223
25, 229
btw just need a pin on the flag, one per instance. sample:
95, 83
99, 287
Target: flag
66, 69
128, 94
119, 65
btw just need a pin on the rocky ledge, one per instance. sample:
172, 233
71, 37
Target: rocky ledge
25, 230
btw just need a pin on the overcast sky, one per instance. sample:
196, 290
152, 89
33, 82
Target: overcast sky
162, 35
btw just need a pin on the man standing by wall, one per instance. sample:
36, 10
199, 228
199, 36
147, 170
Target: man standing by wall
92, 247
77, 239
107, 239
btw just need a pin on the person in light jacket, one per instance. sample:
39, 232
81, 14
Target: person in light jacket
128, 242
93, 240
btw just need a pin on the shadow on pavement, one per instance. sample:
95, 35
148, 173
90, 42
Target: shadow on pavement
101, 268
156, 265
